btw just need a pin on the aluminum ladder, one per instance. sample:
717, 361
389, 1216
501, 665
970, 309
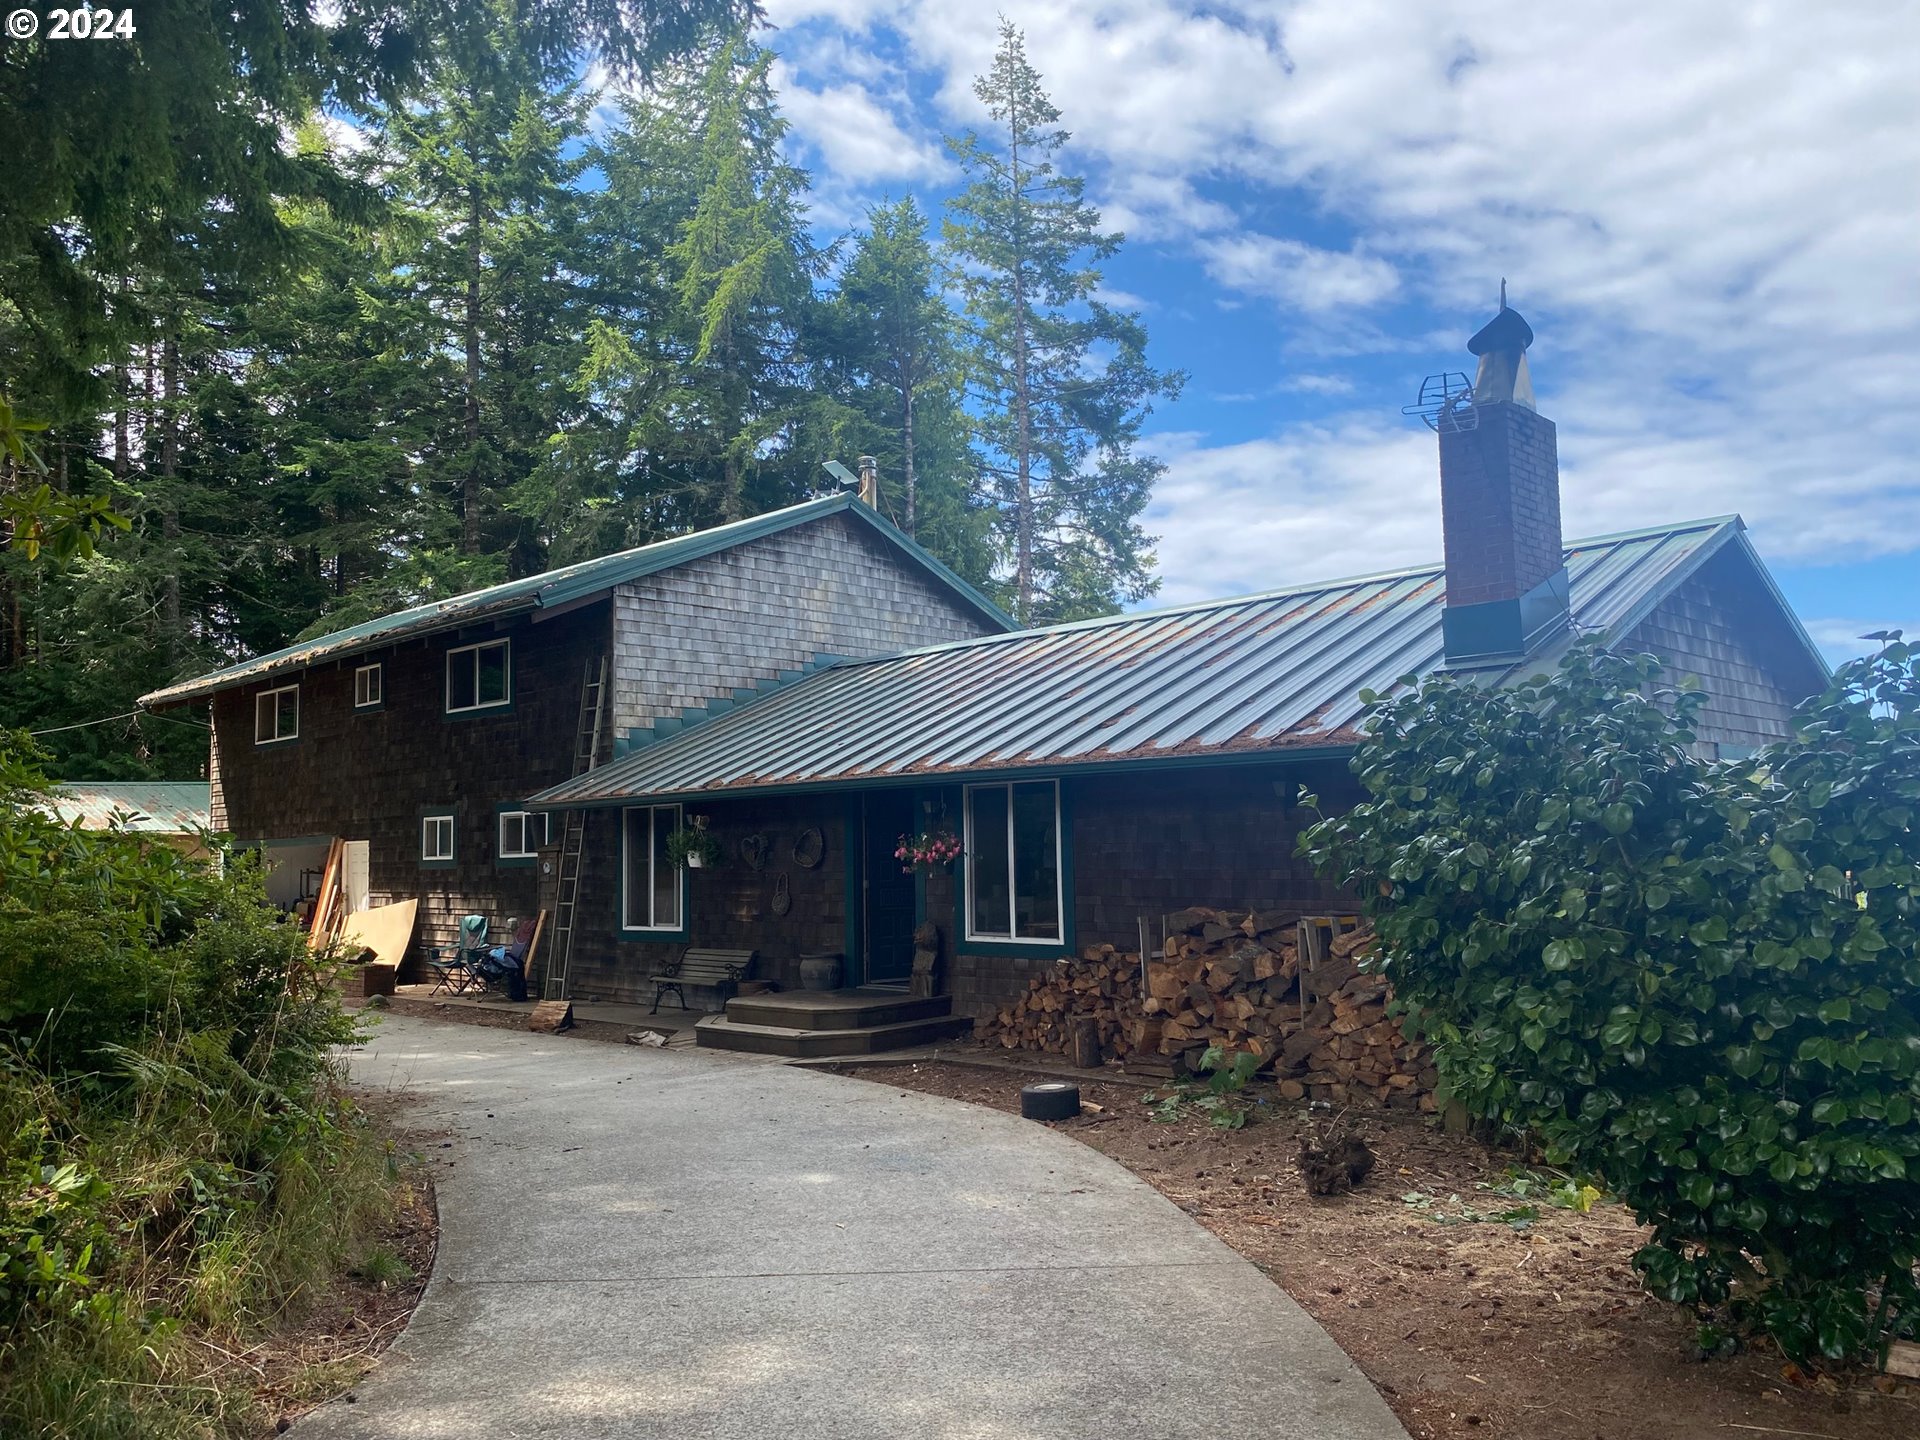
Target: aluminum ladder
586, 754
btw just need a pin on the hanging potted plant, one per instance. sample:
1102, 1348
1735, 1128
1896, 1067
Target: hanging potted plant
928, 851
692, 846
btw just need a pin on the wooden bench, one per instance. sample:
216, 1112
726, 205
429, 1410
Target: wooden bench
717, 970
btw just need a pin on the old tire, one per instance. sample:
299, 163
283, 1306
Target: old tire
1050, 1100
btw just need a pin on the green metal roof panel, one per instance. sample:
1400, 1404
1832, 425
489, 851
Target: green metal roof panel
162, 807
555, 588
1260, 674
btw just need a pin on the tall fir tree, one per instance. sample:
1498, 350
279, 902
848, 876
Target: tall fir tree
486, 166
704, 376
1059, 381
192, 295
177, 128
891, 351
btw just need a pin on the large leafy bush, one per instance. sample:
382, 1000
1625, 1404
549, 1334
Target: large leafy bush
1699, 982
178, 1160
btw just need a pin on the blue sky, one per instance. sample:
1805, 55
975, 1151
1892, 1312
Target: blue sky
1707, 212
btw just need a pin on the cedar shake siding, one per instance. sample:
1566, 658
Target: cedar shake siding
729, 906
1141, 844
1724, 627
765, 610
1154, 842
715, 628
370, 774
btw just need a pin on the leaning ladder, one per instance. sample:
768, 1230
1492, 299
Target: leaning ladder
586, 754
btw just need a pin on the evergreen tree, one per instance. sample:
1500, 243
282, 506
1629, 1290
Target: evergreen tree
1059, 381
117, 150
703, 377
490, 252
891, 350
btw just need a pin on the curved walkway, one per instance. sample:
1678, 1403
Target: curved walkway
656, 1243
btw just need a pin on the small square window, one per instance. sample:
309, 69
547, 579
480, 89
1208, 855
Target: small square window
522, 833
276, 715
368, 688
436, 839
479, 677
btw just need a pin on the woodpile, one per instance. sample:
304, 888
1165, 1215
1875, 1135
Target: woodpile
1233, 980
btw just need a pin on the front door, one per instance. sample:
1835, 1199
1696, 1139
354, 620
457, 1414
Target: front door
887, 908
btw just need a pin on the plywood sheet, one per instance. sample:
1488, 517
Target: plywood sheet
385, 930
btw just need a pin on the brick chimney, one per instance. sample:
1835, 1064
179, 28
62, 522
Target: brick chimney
1500, 505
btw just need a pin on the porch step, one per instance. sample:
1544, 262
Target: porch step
836, 1009
723, 1032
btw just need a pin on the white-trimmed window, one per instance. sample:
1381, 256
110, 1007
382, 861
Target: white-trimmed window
369, 687
479, 677
650, 893
436, 839
276, 715
1014, 889
522, 833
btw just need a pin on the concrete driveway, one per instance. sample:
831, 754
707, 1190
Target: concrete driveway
646, 1243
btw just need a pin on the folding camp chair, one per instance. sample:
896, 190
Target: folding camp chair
453, 965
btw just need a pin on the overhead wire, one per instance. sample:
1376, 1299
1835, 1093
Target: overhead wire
109, 719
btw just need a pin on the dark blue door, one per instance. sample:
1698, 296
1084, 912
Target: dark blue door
886, 889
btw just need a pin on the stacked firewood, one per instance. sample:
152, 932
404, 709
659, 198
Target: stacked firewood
1347, 1048
1230, 980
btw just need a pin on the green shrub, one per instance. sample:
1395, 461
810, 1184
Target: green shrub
178, 1160
1219, 1092
1697, 983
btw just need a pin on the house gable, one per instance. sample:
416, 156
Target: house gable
711, 633
1726, 626
557, 592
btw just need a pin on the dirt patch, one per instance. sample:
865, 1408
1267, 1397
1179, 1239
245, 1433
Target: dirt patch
341, 1335
1533, 1328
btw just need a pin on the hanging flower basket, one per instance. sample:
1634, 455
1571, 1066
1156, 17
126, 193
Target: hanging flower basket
928, 851
692, 846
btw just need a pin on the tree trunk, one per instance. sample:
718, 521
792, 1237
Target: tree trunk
170, 501
906, 438
122, 421
470, 490
737, 397
730, 506
1022, 399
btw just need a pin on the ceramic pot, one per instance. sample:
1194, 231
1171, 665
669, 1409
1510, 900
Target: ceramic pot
820, 972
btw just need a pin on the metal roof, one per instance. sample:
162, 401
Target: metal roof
1264, 674
557, 588
163, 807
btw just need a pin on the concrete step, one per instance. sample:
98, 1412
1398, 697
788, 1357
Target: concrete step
835, 1009
721, 1032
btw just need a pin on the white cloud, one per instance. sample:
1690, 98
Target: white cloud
1297, 275
1311, 384
1319, 502
1845, 639
858, 140
1119, 299
1707, 211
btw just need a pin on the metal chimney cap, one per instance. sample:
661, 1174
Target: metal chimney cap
1506, 331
